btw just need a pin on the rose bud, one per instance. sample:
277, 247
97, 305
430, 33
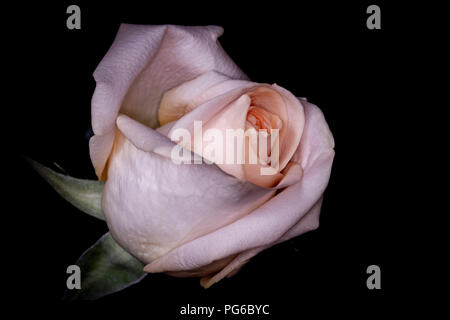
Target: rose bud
201, 218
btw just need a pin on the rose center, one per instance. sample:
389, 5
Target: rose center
261, 119
264, 122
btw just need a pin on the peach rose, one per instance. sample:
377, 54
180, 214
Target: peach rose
199, 219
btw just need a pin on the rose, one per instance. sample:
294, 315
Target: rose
199, 219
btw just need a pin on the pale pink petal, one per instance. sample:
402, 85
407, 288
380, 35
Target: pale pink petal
204, 271
292, 132
230, 118
153, 205
230, 269
184, 98
230, 91
100, 147
317, 134
271, 221
292, 174
142, 64
309, 222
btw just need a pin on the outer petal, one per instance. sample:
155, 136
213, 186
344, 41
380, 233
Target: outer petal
310, 221
143, 63
267, 224
317, 137
149, 214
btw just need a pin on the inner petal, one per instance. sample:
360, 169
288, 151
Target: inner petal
262, 119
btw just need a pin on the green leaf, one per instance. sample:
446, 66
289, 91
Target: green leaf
86, 195
105, 268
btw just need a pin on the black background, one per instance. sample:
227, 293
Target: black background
323, 52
